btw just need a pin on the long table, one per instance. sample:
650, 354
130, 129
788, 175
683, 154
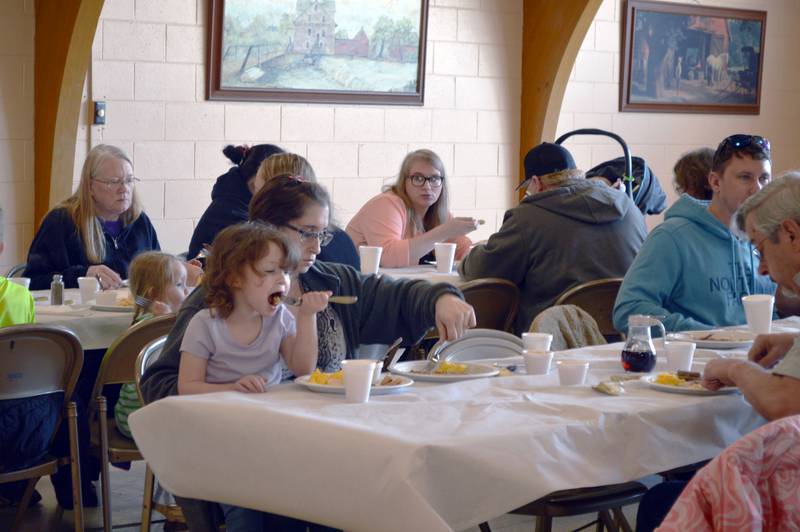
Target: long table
440, 457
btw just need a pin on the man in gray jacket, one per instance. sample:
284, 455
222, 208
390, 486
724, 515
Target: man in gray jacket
567, 230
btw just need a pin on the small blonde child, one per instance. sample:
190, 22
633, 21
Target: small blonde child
158, 280
237, 343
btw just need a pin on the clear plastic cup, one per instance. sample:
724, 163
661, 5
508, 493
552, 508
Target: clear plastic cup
679, 355
370, 259
445, 255
357, 379
572, 372
758, 310
89, 287
537, 341
537, 362
22, 281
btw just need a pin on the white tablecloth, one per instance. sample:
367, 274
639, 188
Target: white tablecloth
426, 272
440, 457
95, 329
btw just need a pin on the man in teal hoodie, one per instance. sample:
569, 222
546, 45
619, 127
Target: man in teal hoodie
692, 271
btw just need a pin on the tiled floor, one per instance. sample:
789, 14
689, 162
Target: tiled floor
127, 500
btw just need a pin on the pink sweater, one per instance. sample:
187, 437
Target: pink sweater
383, 221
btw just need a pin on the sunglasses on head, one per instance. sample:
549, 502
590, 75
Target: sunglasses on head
738, 142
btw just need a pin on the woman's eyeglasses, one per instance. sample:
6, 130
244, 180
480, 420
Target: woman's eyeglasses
115, 184
419, 180
323, 236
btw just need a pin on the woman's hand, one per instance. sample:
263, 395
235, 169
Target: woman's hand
251, 384
313, 302
769, 349
453, 317
459, 226
107, 277
194, 272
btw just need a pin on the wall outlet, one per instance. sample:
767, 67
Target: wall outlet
99, 113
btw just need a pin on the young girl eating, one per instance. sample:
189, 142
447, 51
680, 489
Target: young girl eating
237, 343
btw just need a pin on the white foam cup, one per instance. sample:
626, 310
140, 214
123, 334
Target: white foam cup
22, 281
370, 259
357, 379
89, 288
537, 341
537, 362
680, 355
572, 372
758, 310
106, 297
445, 255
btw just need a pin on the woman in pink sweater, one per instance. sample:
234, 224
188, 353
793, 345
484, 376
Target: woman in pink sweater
408, 218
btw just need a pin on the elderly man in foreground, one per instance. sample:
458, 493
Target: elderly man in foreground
771, 220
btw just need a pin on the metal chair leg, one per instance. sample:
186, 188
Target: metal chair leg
75, 466
544, 524
621, 520
484, 527
104, 471
604, 520
147, 503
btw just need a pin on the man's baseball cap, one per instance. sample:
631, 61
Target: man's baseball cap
546, 158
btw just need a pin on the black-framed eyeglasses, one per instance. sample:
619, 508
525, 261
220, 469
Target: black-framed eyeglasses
116, 183
323, 236
419, 180
740, 141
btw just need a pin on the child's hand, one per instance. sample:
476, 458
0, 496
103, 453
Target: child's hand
251, 384
313, 302
160, 308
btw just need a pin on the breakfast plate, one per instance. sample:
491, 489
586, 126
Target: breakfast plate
716, 339
416, 370
481, 344
402, 383
690, 388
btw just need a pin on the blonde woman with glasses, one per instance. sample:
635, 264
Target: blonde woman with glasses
409, 217
97, 231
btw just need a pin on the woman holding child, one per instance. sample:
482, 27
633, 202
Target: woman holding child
386, 309
409, 217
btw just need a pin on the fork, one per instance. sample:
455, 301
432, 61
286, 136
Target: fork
342, 300
433, 355
142, 302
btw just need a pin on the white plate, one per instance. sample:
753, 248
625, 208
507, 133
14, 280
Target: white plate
474, 371
481, 344
112, 308
650, 380
339, 388
721, 339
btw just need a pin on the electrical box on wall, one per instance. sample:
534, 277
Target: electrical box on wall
99, 113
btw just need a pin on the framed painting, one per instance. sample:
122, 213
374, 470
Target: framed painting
691, 59
319, 51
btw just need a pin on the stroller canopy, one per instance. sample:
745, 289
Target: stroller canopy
647, 192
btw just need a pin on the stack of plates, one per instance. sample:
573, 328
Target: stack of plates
479, 344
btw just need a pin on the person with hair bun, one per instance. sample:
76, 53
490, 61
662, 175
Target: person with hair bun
691, 173
231, 193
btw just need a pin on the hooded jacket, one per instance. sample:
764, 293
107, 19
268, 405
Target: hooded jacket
58, 248
230, 199
557, 239
693, 271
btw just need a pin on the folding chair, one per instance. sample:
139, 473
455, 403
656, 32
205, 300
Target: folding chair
597, 298
37, 360
118, 367
495, 302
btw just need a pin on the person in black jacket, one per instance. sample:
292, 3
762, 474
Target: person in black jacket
97, 231
231, 193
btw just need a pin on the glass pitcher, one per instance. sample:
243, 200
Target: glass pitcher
639, 353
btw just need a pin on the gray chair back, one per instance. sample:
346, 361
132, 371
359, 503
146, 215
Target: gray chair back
147, 356
17, 271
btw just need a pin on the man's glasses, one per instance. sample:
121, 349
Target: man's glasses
419, 180
115, 184
738, 142
323, 236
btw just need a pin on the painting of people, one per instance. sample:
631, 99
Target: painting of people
690, 58
318, 50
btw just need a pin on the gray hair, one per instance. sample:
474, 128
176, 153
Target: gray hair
772, 205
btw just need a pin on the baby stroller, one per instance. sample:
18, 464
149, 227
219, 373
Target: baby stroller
642, 186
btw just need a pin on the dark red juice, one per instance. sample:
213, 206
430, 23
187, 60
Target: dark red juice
638, 361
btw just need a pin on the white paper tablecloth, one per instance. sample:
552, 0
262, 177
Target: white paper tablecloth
440, 457
95, 329
426, 272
